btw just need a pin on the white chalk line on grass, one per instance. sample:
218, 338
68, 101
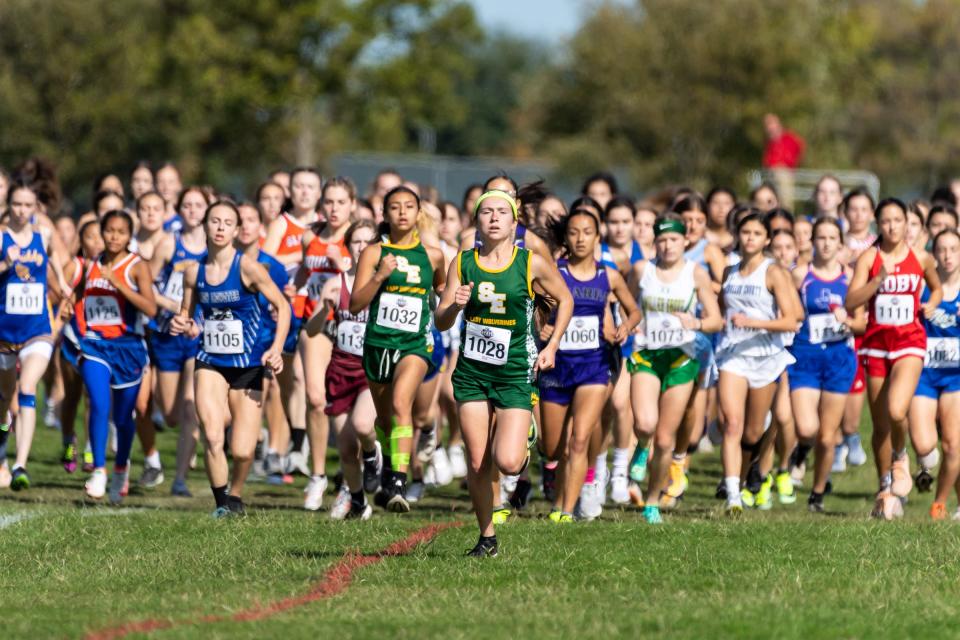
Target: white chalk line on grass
10, 519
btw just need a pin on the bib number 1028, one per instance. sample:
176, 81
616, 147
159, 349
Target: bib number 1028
490, 345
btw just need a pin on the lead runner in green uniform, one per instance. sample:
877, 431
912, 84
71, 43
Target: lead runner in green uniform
498, 360
394, 278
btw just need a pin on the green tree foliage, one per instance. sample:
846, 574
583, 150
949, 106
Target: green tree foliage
675, 90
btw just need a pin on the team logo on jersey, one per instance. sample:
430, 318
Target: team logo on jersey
487, 293
901, 283
411, 270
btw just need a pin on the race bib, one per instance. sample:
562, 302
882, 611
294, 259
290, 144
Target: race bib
825, 328
583, 333
174, 288
490, 345
943, 353
223, 337
893, 310
102, 310
314, 285
665, 331
399, 312
25, 299
350, 337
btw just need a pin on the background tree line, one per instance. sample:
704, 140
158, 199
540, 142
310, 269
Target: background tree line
668, 91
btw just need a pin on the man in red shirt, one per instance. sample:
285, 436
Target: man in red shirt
782, 154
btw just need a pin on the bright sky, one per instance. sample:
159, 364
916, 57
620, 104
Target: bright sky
549, 20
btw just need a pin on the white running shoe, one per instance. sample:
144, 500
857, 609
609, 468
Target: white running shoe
414, 492
314, 493
619, 489
441, 467
458, 462
588, 506
341, 505
119, 485
857, 456
96, 485
507, 486
840, 453
50, 417
426, 445
956, 515
601, 478
430, 476
705, 445
297, 463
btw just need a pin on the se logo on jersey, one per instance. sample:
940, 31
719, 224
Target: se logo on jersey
487, 294
412, 270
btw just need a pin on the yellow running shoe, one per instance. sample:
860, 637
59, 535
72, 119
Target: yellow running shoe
636, 495
678, 482
764, 497
500, 514
785, 490
748, 498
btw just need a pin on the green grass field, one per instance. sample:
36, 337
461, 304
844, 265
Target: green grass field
69, 568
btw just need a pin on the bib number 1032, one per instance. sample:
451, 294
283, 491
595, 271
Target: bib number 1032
399, 312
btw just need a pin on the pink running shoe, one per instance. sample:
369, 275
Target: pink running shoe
902, 481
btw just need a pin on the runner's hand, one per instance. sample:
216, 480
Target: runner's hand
545, 361
272, 358
462, 296
387, 265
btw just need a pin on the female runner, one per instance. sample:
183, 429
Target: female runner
232, 357
117, 287
578, 384
756, 300
670, 290
938, 392
826, 363
494, 287
394, 279
889, 278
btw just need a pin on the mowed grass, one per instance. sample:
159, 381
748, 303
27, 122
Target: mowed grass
69, 567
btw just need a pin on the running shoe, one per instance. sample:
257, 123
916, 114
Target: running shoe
636, 494
341, 505
554, 515
815, 503
668, 502
651, 513
620, 489
458, 462
721, 492
69, 457
87, 466
426, 445
507, 485
19, 479
359, 512
785, 491
297, 463
856, 456
235, 505
442, 472
798, 467
313, 492
588, 506
414, 492
119, 486
5, 477
180, 489
677, 482
396, 498
638, 465
521, 494
840, 454
887, 506
600, 481
151, 477
486, 548
956, 515
96, 484
221, 513
902, 482
273, 464
372, 473
924, 481
734, 506
548, 480
50, 417
938, 511
501, 514
705, 445
764, 497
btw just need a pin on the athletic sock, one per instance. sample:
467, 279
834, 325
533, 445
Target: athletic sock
601, 462
370, 456
153, 460
732, 483
220, 495
678, 458
399, 433
621, 458
358, 499
297, 435
591, 475
930, 460
899, 455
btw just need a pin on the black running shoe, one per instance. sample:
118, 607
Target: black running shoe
721, 493
923, 480
549, 484
19, 479
371, 472
397, 490
235, 505
486, 548
521, 494
380, 498
815, 503
754, 478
